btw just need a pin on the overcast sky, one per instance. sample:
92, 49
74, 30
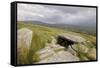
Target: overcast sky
56, 14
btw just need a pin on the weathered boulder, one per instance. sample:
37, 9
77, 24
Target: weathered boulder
92, 53
81, 48
24, 35
53, 40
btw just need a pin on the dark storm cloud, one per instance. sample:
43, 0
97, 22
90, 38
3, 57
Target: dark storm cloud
56, 14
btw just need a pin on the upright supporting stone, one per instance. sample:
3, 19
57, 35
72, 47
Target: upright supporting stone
24, 38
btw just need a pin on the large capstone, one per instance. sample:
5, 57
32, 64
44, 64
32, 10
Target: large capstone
68, 39
64, 41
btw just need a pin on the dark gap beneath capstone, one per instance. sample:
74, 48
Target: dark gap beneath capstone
64, 41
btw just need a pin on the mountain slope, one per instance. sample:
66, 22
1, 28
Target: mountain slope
42, 35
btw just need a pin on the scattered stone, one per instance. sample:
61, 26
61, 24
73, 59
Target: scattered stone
53, 41
71, 50
92, 53
78, 48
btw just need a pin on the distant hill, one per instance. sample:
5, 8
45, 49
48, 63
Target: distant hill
89, 29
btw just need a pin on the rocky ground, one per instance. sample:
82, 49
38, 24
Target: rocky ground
56, 53
83, 50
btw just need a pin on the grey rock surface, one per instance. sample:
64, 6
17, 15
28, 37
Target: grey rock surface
24, 35
56, 53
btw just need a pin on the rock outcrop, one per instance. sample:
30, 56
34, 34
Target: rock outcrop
55, 53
